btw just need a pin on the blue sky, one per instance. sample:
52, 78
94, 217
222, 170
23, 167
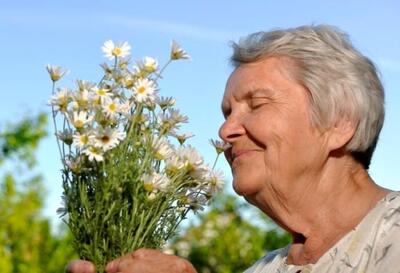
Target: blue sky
70, 33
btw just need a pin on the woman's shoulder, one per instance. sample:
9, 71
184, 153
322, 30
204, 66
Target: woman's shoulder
389, 215
391, 207
385, 247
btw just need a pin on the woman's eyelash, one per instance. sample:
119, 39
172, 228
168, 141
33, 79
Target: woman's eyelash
257, 102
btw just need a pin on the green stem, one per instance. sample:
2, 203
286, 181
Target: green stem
215, 162
55, 127
162, 70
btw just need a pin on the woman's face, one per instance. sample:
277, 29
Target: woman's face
267, 121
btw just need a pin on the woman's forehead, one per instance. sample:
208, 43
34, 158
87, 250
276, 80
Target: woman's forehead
269, 75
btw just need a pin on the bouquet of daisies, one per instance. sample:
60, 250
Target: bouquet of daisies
129, 178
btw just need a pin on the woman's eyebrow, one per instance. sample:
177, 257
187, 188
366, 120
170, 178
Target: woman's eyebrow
261, 91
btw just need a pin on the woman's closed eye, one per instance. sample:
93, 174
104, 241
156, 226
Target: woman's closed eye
257, 102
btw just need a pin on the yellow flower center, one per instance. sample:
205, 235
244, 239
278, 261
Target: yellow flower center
190, 168
148, 186
79, 123
117, 51
139, 119
93, 150
175, 55
102, 92
63, 106
55, 77
158, 155
150, 68
97, 102
171, 170
112, 107
84, 139
105, 139
141, 89
128, 83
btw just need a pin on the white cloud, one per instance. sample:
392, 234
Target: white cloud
96, 20
172, 28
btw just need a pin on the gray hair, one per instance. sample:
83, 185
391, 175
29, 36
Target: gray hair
341, 81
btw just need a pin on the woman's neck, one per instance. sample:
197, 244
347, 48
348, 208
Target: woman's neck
332, 226
319, 217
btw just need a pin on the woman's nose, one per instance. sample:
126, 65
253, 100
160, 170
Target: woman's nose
231, 129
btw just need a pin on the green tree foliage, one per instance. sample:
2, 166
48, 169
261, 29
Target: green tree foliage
21, 139
27, 242
225, 241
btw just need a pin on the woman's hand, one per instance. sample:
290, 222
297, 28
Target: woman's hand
139, 261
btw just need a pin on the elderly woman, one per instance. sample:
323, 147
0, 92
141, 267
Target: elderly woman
303, 111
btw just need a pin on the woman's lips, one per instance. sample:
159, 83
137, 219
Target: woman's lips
242, 152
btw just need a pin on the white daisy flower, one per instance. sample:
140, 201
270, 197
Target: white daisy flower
108, 138
111, 107
150, 64
76, 164
144, 91
107, 70
80, 100
128, 81
215, 181
173, 164
142, 119
84, 85
94, 153
81, 140
169, 121
161, 148
176, 117
56, 72
138, 71
123, 64
79, 119
112, 50
165, 102
196, 201
190, 154
219, 145
193, 161
182, 137
177, 52
60, 100
126, 108
98, 95
65, 136
154, 182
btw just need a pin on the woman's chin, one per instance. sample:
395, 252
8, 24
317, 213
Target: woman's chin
243, 188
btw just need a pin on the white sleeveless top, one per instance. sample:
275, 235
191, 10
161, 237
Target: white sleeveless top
373, 246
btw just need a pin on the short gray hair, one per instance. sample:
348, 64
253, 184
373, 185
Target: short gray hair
341, 81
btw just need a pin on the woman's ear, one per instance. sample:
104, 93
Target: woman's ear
341, 133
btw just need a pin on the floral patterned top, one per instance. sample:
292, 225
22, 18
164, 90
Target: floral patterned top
373, 246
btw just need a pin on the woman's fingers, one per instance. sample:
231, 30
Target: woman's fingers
80, 266
149, 261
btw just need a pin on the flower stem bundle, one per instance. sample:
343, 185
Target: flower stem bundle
129, 178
